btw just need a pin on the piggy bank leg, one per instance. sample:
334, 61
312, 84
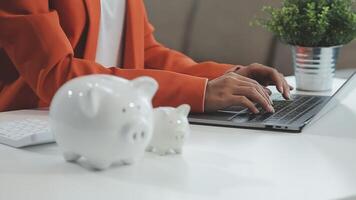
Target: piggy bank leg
70, 156
99, 164
178, 150
129, 161
150, 149
162, 151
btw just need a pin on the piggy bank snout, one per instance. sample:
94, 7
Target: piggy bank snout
137, 132
179, 137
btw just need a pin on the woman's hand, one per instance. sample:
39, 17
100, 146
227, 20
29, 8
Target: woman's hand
266, 76
233, 89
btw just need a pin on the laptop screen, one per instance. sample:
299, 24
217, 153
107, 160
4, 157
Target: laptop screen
342, 93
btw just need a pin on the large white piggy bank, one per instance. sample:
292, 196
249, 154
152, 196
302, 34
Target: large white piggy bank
171, 129
103, 118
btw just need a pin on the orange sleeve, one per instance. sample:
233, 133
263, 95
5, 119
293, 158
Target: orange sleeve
43, 57
160, 57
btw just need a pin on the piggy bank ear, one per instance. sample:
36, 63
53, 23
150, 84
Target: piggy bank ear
184, 109
89, 102
145, 85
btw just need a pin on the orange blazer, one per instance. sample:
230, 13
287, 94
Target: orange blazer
44, 43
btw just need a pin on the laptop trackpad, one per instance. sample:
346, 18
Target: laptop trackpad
223, 116
242, 114
218, 116
243, 118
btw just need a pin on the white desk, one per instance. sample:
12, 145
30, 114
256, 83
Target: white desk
218, 163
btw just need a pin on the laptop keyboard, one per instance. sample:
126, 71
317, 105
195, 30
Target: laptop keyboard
288, 111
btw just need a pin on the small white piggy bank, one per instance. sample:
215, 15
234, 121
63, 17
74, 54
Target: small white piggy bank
171, 128
103, 118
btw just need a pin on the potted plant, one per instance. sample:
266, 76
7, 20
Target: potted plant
316, 30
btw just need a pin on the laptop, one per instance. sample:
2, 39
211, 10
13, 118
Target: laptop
291, 115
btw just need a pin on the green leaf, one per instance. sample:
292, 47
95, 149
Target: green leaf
312, 22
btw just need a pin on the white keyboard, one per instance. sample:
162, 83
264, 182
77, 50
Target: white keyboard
25, 132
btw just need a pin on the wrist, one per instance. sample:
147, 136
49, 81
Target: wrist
235, 69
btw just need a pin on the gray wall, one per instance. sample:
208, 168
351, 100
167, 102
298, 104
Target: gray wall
219, 30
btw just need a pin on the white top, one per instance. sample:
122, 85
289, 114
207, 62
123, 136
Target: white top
217, 163
110, 41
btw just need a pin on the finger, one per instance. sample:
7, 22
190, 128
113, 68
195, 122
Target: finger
255, 96
255, 83
286, 88
243, 101
249, 82
269, 92
258, 87
265, 93
274, 71
277, 80
263, 73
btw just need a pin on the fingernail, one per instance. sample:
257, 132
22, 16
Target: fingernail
271, 109
270, 99
281, 89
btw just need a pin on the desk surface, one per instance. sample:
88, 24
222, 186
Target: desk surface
218, 163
